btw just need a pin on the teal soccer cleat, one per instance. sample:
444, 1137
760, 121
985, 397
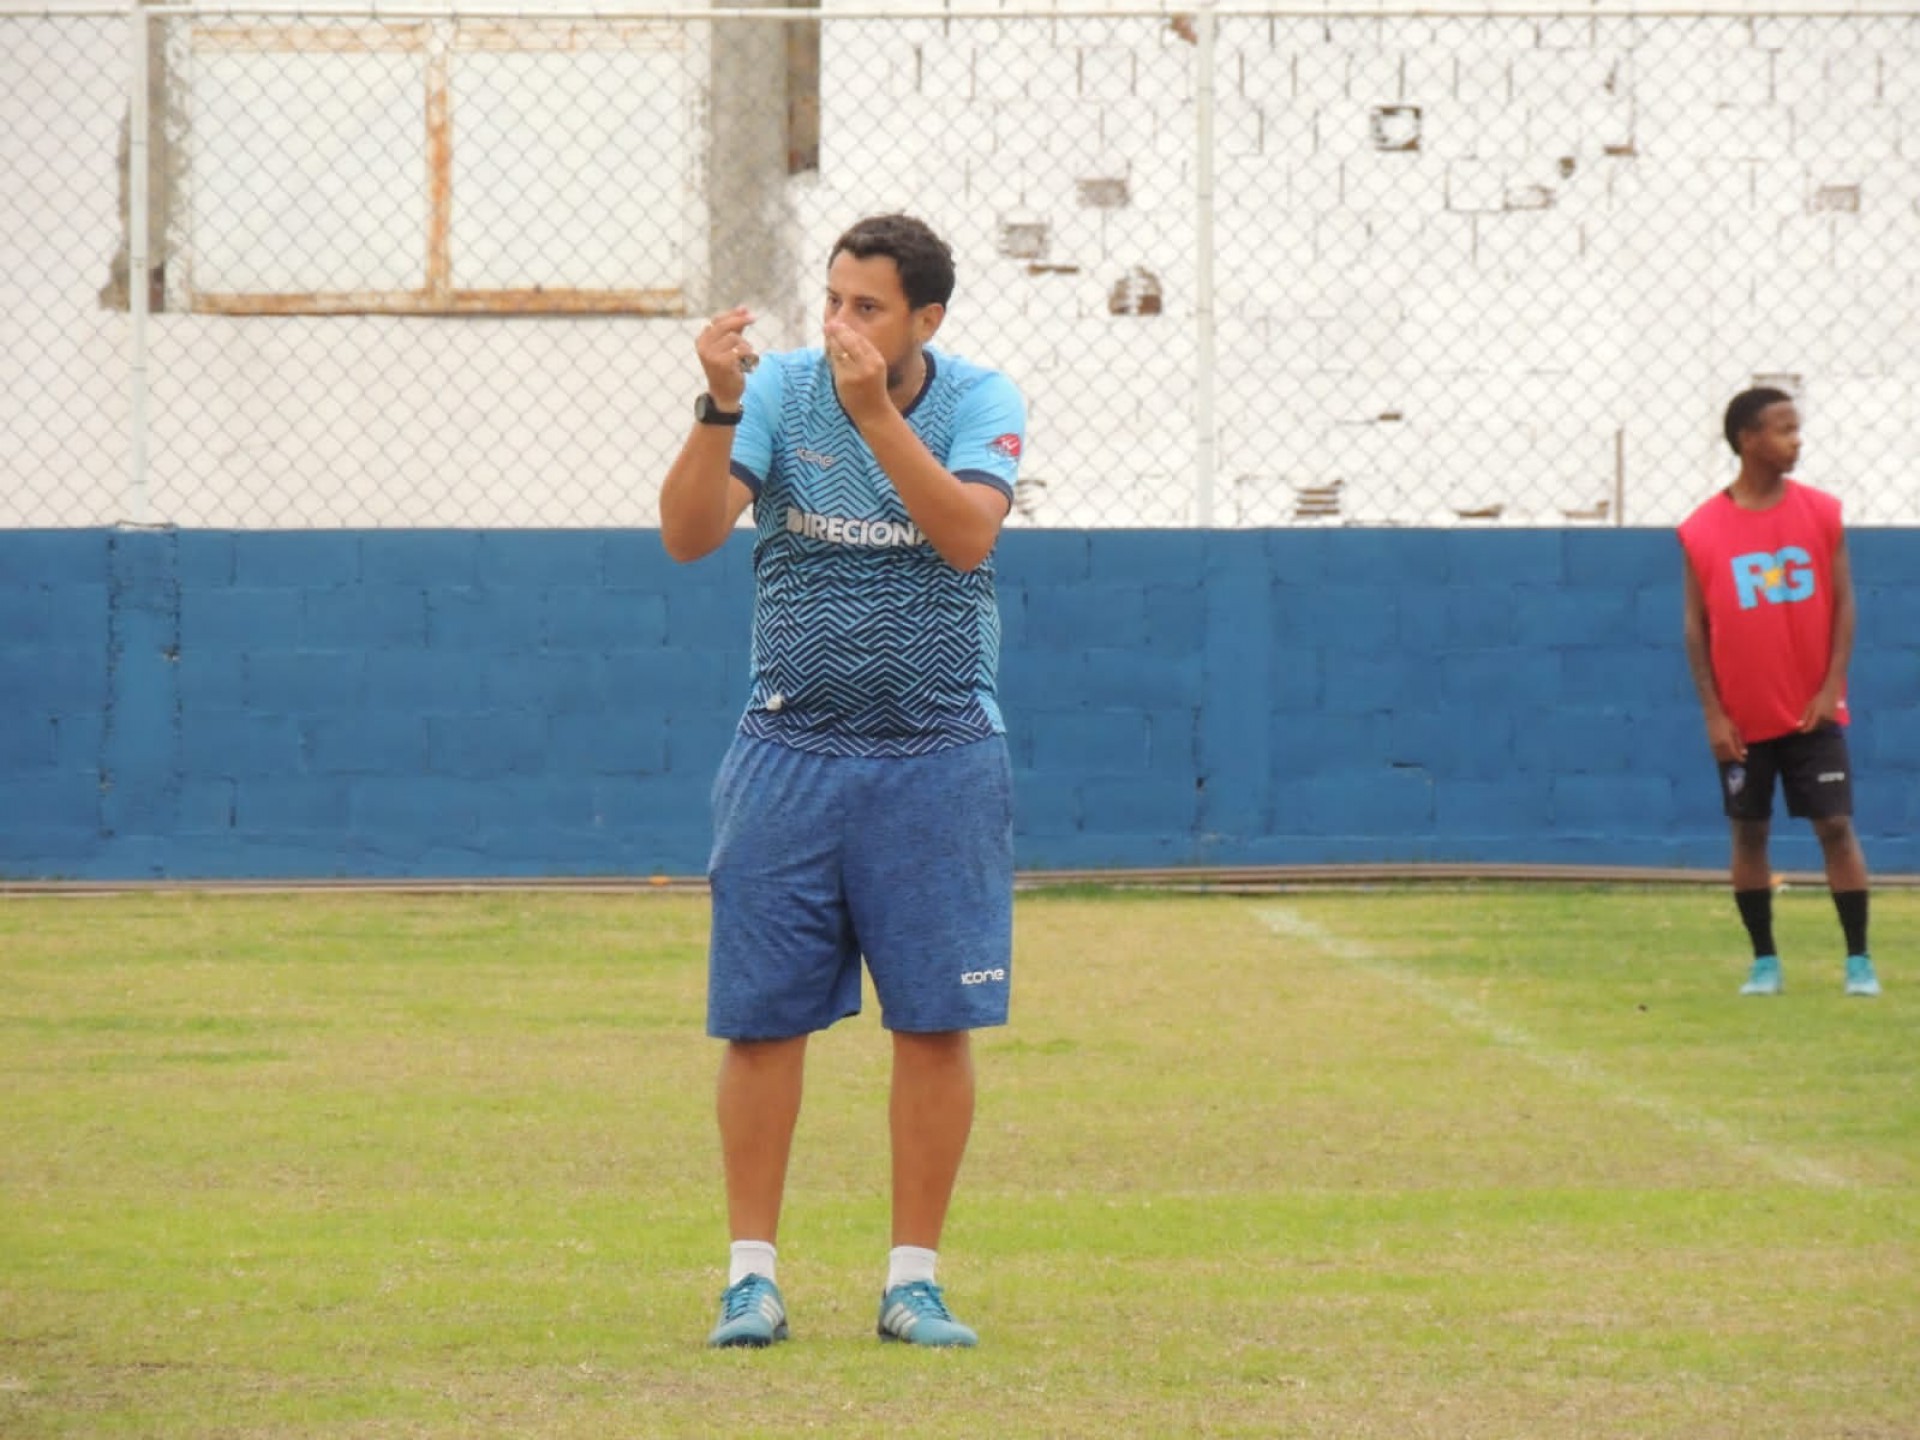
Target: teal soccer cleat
1860, 977
1764, 978
752, 1314
917, 1314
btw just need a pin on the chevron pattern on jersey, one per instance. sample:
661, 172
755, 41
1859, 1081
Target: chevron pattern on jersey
872, 644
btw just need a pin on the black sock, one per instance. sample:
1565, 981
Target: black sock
1756, 913
1852, 905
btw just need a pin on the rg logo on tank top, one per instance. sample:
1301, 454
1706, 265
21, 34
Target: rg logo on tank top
1779, 578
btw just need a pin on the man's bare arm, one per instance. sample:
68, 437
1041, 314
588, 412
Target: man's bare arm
1722, 734
961, 520
700, 500
1824, 708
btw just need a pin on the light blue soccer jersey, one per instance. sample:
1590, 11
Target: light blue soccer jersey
866, 642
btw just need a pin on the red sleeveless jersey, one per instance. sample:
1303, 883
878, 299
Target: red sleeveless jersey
1767, 578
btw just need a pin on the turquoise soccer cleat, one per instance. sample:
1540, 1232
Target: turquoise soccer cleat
1860, 977
1764, 978
916, 1313
752, 1315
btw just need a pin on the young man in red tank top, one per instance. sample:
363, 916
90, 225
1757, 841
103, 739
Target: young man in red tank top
1769, 633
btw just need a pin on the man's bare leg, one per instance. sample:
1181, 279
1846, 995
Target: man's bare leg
758, 1104
931, 1117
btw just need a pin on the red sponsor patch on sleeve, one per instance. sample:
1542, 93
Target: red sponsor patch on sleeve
1007, 445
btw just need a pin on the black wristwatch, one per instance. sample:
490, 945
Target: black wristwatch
708, 413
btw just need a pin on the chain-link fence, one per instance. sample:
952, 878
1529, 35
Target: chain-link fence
1251, 266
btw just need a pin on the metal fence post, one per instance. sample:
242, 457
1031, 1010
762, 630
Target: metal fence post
139, 263
1205, 457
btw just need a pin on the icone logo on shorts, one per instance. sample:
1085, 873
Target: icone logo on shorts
981, 977
1779, 579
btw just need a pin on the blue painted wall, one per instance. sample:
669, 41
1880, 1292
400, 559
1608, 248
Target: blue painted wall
405, 703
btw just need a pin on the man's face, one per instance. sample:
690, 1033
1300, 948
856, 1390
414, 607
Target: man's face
1773, 440
866, 296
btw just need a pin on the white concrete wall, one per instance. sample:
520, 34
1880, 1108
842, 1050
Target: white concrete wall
1608, 226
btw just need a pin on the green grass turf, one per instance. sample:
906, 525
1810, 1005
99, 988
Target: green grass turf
1472, 1162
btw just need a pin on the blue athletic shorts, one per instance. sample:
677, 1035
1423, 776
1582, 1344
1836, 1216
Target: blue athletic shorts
819, 860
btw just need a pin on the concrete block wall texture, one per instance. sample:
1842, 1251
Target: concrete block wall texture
1462, 262
185, 704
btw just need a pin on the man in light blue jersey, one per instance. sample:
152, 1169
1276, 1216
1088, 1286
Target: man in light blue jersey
864, 808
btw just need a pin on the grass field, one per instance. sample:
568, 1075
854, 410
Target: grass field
1476, 1162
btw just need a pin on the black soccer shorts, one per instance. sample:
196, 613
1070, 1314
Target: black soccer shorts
1813, 769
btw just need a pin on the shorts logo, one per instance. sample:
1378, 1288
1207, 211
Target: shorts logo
1830, 777
1007, 445
981, 977
1736, 779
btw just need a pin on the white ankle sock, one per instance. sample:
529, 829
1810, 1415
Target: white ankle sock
749, 1257
908, 1263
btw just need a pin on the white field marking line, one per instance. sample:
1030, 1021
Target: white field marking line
1797, 1169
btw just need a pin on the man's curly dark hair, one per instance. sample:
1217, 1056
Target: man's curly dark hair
924, 260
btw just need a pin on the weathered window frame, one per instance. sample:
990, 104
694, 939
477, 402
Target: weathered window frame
438, 42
